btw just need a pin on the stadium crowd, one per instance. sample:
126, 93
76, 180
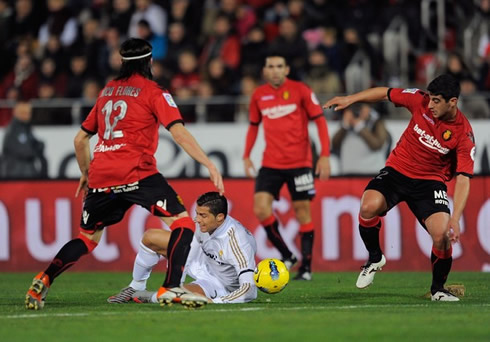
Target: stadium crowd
69, 48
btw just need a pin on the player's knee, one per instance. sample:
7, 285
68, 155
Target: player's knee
368, 210
150, 240
440, 240
261, 212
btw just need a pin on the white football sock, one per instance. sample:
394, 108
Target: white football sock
145, 260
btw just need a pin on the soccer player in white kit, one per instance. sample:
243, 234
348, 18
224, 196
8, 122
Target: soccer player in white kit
221, 260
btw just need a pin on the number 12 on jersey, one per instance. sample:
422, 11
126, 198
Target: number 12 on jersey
110, 132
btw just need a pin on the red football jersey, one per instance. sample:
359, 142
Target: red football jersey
430, 148
126, 118
285, 113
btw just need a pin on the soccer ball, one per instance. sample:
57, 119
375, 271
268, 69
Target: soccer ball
271, 276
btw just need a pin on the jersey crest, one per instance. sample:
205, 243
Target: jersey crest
447, 134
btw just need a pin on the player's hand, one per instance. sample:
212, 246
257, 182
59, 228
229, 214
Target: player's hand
216, 178
82, 186
249, 168
322, 169
454, 230
338, 103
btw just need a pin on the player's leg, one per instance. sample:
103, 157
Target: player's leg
373, 203
301, 186
430, 205
267, 186
441, 255
98, 211
263, 211
302, 210
152, 246
157, 196
67, 256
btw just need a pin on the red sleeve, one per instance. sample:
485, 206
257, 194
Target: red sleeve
310, 102
409, 98
321, 125
465, 153
250, 140
90, 125
255, 116
165, 108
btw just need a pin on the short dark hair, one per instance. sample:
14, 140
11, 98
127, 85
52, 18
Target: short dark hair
274, 53
216, 203
445, 85
131, 48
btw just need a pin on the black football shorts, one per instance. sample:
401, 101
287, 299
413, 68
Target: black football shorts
107, 206
300, 182
424, 197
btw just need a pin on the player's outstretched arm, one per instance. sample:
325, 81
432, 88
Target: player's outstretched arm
82, 152
461, 193
186, 140
369, 95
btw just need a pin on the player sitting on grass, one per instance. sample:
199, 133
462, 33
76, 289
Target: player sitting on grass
221, 260
437, 145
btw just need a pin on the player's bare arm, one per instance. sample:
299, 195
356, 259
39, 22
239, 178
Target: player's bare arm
369, 95
82, 152
187, 141
461, 192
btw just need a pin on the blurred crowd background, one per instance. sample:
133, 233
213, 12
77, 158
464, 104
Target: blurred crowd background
57, 54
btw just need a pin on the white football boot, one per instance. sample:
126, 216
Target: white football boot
180, 295
368, 271
444, 296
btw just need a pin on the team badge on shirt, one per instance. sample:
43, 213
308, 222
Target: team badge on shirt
447, 134
169, 100
286, 95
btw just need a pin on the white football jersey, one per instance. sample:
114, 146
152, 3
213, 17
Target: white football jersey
227, 258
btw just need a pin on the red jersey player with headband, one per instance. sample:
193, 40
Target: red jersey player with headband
437, 145
285, 107
126, 118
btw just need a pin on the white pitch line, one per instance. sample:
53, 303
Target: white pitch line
214, 309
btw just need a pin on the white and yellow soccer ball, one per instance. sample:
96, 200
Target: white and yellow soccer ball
271, 276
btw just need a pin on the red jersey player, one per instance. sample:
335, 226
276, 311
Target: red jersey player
284, 107
126, 118
437, 145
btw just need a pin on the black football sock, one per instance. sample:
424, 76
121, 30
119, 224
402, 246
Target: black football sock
306, 250
370, 237
67, 256
177, 252
441, 266
276, 239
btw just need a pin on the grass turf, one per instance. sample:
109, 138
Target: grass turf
329, 308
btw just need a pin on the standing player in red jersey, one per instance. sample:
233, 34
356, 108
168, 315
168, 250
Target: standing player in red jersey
437, 145
123, 172
284, 107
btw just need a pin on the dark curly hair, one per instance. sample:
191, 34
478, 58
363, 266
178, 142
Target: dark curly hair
215, 202
445, 85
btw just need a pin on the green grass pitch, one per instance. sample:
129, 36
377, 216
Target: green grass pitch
329, 308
